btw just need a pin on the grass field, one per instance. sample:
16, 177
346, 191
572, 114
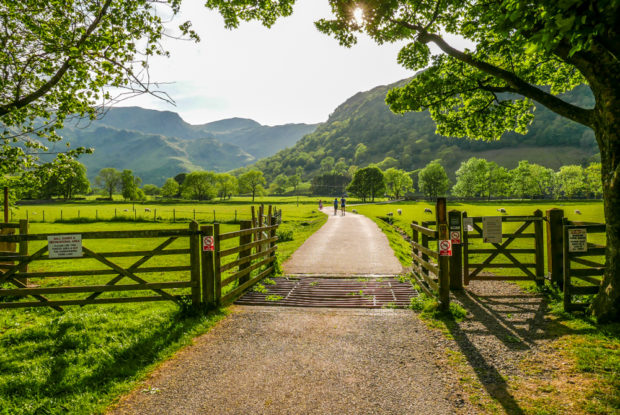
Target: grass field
81, 360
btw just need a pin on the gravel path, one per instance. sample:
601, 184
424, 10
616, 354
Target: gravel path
345, 245
268, 360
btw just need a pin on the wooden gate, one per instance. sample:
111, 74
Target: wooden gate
183, 259
582, 272
530, 260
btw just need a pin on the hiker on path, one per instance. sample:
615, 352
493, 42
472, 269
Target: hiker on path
320, 204
342, 205
335, 206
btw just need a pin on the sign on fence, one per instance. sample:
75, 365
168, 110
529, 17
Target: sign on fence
577, 240
64, 246
455, 237
208, 243
468, 224
445, 247
492, 229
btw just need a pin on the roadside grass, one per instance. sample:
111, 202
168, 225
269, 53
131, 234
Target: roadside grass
83, 359
577, 371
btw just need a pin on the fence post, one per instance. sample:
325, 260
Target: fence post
566, 266
23, 246
456, 260
272, 234
539, 256
174, 215
216, 264
415, 251
243, 240
43, 216
154, 215
554, 246
194, 257
443, 261
425, 245
464, 249
208, 275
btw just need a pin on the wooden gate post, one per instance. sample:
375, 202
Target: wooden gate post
243, 240
539, 256
464, 248
456, 260
216, 264
194, 257
443, 261
554, 246
208, 271
425, 245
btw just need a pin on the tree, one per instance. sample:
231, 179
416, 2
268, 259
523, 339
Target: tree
109, 179
360, 152
130, 186
60, 59
569, 181
65, 180
497, 180
433, 180
329, 184
279, 184
170, 188
151, 190
398, 182
367, 183
294, 181
199, 185
340, 167
252, 182
471, 178
387, 163
226, 185
327, 164
523, 183
524, 54
593, 180
543, 177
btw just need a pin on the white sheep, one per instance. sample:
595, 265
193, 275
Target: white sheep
501, 210
147, 209
427, 210
399, 211
125, 210
577, 211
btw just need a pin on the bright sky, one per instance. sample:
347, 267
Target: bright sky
287, 74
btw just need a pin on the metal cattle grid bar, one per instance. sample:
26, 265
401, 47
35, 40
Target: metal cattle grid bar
332, 292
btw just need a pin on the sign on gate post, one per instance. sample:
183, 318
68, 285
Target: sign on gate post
64, 246
208, 243
577, 240
492, 229
456, 260
445, 247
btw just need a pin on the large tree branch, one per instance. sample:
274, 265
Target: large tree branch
518, 85
47, 86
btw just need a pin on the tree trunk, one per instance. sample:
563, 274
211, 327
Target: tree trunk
606, 305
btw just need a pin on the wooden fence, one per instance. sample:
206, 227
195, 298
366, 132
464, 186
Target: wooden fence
430, 269
181, 270
584, 279
531, 270
253, 258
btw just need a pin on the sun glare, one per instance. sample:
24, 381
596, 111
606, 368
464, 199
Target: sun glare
358, 16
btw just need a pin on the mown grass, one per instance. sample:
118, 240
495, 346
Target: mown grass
81, 360
579, 371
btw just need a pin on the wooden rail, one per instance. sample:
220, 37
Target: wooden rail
17, 272
586, 280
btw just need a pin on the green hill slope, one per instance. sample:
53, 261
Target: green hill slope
411, 140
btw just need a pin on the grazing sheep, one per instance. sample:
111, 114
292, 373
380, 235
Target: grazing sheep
399, 211
147, 209
390, 214
578, 212
354, 211
501, 210
125, 210
427, 210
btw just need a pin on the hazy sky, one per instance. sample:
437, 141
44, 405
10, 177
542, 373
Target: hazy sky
289, 73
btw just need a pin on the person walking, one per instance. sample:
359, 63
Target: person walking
320, 204
335, 206
342, 205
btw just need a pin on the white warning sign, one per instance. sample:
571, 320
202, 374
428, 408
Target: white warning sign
468, 224
64, 246
577, 240
445, 247
492, 229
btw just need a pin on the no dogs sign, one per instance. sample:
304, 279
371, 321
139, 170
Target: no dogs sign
445, 247
208, 243
455, 237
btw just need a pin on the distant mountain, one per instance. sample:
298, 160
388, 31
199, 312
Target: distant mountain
159, 144
365, 119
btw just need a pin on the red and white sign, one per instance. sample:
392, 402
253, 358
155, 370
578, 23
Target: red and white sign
445, 247
455, 237
208, 244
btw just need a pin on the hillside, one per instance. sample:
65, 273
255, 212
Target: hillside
410, 139
160, 144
